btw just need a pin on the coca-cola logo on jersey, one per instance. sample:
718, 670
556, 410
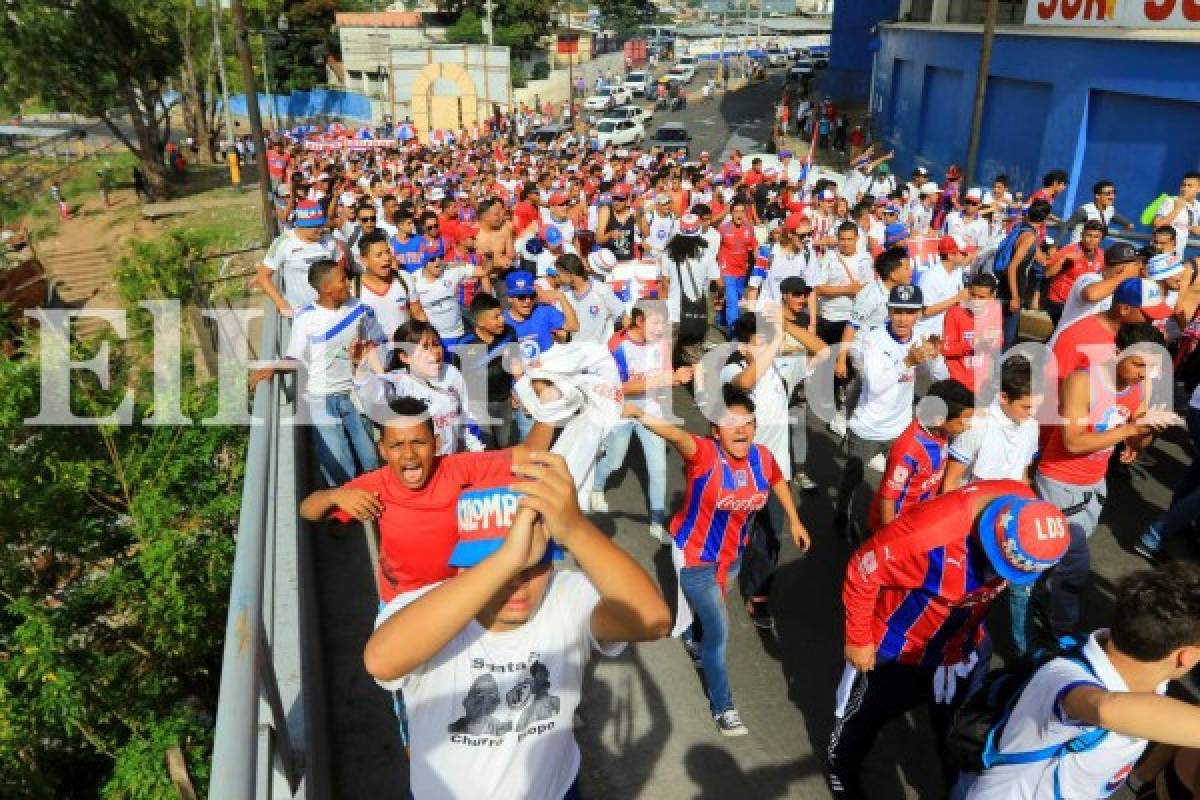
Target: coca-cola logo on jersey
732, 502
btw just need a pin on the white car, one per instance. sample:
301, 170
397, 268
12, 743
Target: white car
608, 97
619, 132
635, 113
683, 72
636, 83
686, 61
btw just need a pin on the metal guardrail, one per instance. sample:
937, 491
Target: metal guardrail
269, 733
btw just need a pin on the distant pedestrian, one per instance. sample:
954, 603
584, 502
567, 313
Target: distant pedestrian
64, 210
104, 183
139, 186
839, 134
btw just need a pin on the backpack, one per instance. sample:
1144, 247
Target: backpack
693, 314
973, 739
1002, 256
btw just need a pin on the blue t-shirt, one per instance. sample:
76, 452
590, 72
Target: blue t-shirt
536, 332
408, 254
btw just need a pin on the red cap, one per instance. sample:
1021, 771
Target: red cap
557, 199
949, 246
793, 220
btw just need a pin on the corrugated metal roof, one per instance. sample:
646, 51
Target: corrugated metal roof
378, 19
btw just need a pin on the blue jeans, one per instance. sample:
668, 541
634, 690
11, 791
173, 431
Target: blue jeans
733, 297
1185, 502
524, 423
1018, 610
654, 453
710, 630
1012, 327
341, 438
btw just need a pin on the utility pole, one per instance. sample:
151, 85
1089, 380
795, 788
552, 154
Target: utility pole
216, 20
985, 60
723, 74
272, 112
488, 7
242, 43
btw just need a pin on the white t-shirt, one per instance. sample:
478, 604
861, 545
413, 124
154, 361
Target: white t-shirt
973, 232
439, 298
1076, 308
320, 339
994, 447
492, 714
445, 395
661, 228
838, 270
802, 263
294, 256
693, 277
1038, 720
937, 286
391, 307
885, 407
770, 396
1190, 216
598, 309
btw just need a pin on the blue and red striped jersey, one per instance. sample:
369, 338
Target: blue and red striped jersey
915, 466
720, 500
912, 589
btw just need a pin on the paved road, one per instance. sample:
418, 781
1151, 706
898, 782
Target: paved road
644, 725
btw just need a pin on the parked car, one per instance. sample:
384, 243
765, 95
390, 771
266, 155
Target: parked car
619, 132
672, 137
682, 72
608, 97
635, 113
636, 82
543, 136
687, 61
776, 57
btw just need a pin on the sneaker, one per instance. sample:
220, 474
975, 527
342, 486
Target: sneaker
693, 651
1146, 553
837, 425
729, 723
878, 463
760, 614
597, 502
659, 533
803, 482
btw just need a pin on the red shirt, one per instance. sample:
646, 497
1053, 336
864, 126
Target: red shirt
524, 215
911, 589
720, 500
418, 529
737, 243
1077, 264
969, 364
1108, 410
1081, 342
915, 466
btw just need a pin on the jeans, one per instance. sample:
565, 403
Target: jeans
654, 453
499, 435
524, 423
1018, 610
1012, 326
858, 452
1081, 505
733, 298
341, 438
709, 630
799, 437
1185, 502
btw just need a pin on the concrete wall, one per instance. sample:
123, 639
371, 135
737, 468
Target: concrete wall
1118, 108
849, 74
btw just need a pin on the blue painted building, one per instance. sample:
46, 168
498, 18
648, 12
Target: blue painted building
1097, 106
1115, 103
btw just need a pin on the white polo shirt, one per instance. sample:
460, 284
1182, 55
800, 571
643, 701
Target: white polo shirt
885, 407
1038, 720
995, 447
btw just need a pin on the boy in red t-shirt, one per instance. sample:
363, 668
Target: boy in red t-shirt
917, 460
973, 333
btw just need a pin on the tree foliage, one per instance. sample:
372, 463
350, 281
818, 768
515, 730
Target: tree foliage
113, 585
518, 23
625, 16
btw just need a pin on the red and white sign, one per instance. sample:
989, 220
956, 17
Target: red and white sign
1114, 13
350, 144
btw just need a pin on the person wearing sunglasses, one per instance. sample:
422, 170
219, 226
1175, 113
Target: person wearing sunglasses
1102, 208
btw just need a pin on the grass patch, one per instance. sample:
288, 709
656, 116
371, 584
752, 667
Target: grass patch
27, 182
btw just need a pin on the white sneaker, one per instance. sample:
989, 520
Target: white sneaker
837, 425
598, 504
878, 463
659, 533
729, 723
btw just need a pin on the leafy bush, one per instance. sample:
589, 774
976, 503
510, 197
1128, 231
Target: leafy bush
541, 70
516, 73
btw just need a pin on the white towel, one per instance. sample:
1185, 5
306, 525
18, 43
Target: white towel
589, 400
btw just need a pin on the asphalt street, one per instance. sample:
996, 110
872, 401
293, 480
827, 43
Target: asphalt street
644, 726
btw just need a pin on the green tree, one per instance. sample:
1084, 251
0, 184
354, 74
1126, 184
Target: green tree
625, 15
518, 23
101, 58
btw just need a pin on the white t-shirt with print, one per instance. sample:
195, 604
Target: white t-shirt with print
1039, 720
320, 339
838, 270
597, 309
885, 407
439, 298
445, 397
770, 396
995, 447
292, 256
802, 263
492, 714
390, 307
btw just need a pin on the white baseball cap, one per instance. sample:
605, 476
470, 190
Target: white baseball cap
975, 193
602, 261
929, 187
